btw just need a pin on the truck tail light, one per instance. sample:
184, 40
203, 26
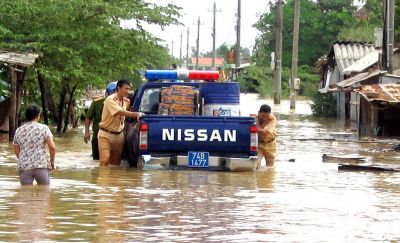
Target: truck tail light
253, 138
143, 131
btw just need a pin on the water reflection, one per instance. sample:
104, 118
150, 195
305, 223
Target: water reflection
32, 207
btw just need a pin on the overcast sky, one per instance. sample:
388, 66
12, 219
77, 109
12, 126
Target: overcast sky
225, 23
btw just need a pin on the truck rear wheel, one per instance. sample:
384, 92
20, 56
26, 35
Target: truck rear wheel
132, 137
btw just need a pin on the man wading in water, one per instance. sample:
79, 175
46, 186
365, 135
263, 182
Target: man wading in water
266, 124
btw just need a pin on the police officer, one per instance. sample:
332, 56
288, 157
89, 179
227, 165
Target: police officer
111, 136
266, 124
94, 115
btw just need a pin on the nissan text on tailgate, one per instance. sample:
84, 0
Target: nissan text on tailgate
194, 124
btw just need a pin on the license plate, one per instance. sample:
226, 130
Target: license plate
221, 112
198, 159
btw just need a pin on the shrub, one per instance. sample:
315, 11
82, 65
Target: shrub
324, 105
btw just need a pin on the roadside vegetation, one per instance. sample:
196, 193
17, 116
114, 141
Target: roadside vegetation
321, 23
81, 44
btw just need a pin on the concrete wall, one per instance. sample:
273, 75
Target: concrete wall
389, 79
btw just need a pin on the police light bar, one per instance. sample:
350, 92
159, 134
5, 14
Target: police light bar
182, 74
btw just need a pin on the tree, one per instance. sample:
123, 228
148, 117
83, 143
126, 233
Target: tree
222, 51
4, 86
364, 30
320, 24
82, 43
334, 5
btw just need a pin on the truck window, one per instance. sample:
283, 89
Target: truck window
150, 100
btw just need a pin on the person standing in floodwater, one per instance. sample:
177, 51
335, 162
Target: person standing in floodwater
30, 148
266, 124
111, 134
94, 114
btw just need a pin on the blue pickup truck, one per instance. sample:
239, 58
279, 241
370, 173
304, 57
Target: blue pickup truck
194, 124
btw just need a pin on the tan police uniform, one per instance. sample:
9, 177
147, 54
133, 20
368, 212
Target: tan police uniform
267, 141
111, 133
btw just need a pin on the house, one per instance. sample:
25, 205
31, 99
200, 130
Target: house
362, 14
16, 65
205, 63
332, 70
364, 93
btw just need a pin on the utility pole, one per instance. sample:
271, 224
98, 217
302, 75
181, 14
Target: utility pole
295, 53
278, 52
198, 44
237, 64
180, 52
172, 49
388, 35
187, 48
214, 32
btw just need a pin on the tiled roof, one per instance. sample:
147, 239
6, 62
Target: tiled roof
207, 61
381, 92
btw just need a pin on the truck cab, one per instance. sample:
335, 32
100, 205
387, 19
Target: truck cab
192, 124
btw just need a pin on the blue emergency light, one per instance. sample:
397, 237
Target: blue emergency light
181, 74
161, 74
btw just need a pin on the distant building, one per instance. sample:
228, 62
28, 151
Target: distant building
205, 63
362, 13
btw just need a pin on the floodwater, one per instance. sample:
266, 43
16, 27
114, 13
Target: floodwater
302, 201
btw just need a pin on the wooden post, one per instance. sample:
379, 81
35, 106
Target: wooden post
20, 89
295, 53
13, 106
42, 88
187, 48
278, 52
239, 16
198, 44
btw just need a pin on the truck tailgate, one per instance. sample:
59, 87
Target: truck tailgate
194, 133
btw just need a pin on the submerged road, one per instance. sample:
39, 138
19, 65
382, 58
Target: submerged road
298, 201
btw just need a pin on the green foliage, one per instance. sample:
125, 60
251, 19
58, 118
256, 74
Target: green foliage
309, 81
4, 86
257, 79
82, 43
4, 90
319, 25
222, 51
375, 11
361, 33
364, 30
261, 79
324, 105
333, 5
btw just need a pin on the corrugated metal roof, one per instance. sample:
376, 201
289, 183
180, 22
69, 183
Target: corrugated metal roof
381, 92
363, 63
24, 59
347, 53
396, 72
357, 78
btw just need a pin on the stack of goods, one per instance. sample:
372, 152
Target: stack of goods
163, 108
177, 100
